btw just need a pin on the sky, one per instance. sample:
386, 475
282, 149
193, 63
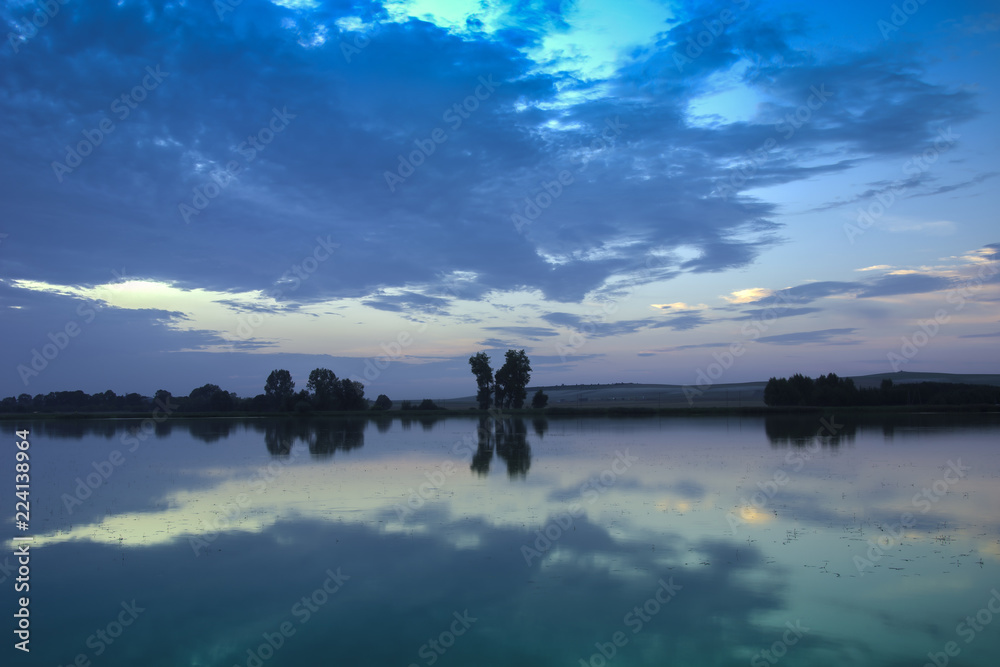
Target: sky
649, 191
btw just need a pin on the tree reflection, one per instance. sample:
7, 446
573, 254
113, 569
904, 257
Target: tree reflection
279, 437
508, 436
802, 430
484, 451
327, 438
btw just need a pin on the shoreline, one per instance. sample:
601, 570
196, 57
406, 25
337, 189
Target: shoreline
615, 411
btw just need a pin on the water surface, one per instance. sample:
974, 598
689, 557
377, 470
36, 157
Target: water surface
626, 541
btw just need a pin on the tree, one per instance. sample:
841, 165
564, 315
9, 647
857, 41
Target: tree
351, 395
162, 397
209, 398
480, 364
280, 390
512, 380
382, 403
539, 400
324, 386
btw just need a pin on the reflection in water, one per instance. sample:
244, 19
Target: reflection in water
512, 445
342, 434
211, 429
801, 430
383, 423
484, 450
323, 436
278, 437
508, 436
275, 526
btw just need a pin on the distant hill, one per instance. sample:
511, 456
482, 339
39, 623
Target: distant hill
719, 395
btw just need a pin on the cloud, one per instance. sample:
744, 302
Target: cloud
774, 313
809, 292
995, 334
907, 283
749, 295
828, 336
679, 322
408, 302
529, 333
349, 121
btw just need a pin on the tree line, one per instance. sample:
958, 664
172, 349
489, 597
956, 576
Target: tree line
830, 390
324, 392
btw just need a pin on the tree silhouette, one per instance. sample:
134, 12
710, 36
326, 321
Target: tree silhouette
512, 380
480, 364
280, 390
323, 384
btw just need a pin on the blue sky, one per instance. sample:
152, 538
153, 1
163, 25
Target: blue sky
199, 192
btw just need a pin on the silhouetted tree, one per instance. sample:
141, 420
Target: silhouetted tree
512, 380
480, 364
279, 389
324, 385
382, 403
351, 395
539, 400
209, 398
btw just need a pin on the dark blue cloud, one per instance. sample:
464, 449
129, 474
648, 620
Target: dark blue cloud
808, 293
906, 283
771, 313
828, 336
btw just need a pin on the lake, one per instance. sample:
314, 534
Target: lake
460, 541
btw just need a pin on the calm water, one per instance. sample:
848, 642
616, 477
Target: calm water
681, 541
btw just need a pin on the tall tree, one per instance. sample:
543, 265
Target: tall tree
352, 395
480, 364
280, 390
512, 380
323, 384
